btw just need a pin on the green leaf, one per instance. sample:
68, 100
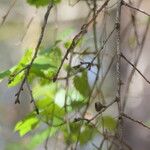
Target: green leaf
87, 134
15, 77
4, 74
109, 123
55, 56
132, 41
74, 128
43, 103
27, 124
67, 44
39, 138
48, 62
47, 91
65, 34
39, 3
77, 104
81, 84
42, 69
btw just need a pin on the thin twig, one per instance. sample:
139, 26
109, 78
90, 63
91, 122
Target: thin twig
32, 99
135, 68
27, 28
133, 18
78, 37
118, 70
135, 64
137, 9
35, 53
7, 13
136, 121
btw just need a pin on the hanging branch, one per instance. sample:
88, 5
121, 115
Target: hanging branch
133, 19
118, 69
27, 71
135, 63
135, 68
8, 11
137, 9
77, 38
32, 99
136, 121
27, 27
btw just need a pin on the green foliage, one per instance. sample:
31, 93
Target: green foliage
85, 131
63, 36
15, 76
4, 74
81, 84
40, 137
108, 122
39, 3
77, 104
50, 97
27, 124
50, 58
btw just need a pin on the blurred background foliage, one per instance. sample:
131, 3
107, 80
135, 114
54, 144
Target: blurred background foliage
20, 126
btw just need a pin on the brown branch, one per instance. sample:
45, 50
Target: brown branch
135, 63
135, 68
78, 37
119, 131
97, 115
32, 99
35, 53
137, 9
136, 121
104, 43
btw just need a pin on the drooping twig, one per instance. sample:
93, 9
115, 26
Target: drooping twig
32, 99
7, 13
27, 71
135, 64
27, 28
133, 19
104, 43
98, 114
118, 70
136, 121
124, 32
78, 37
135, 68
137, 9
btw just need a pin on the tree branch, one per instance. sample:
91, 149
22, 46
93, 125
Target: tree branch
35, 53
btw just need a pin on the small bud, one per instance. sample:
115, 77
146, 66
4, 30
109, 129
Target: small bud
99, 106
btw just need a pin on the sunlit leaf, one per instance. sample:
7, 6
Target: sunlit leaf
15, 76
39, 3
26, 125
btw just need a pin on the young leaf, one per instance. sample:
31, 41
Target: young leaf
81, 84
87, 134
16, 77
4, 74
27, 124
